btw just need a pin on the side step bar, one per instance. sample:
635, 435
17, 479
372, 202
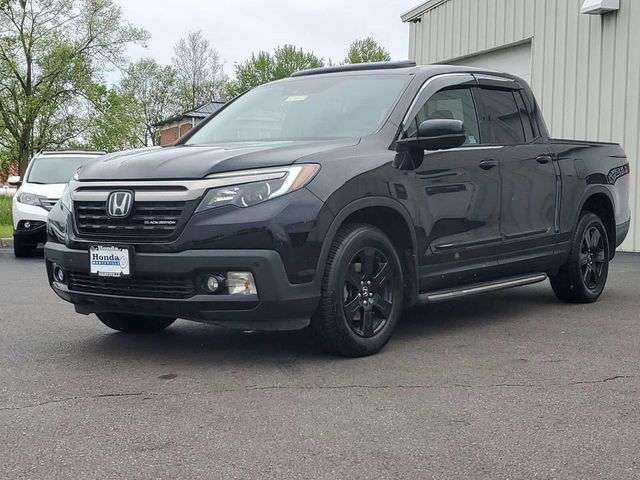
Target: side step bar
449, 294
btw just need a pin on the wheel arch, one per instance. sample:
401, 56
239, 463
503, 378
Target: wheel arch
395, 221
598, 200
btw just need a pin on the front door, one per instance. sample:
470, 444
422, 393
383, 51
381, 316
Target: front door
459, 190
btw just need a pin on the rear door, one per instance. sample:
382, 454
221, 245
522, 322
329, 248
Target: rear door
529, 174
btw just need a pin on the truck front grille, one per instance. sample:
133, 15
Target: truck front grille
138, 287
147, 221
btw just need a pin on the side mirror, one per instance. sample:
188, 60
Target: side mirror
14, 181
438, 134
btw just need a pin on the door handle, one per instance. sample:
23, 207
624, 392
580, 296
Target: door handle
488, 164
542, 159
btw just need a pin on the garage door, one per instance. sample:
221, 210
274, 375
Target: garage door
515, 60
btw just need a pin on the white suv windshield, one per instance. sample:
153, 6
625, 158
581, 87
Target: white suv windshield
306, 108
54, 169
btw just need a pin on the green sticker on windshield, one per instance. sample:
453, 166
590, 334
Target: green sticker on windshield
296, 98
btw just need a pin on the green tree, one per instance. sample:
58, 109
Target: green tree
367, 50
154, 90
265, 67
7, 154
199, 70
7, 158
51, 54
116, 121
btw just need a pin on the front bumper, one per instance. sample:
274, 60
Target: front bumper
22, 211
34, 235
279, 304
29, 213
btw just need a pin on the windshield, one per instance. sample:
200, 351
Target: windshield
305, 109
52, 169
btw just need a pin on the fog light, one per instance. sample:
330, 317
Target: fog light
58, 274
212, 283
27, 225
241, 283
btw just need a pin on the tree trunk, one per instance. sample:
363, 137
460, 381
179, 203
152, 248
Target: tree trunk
24, 156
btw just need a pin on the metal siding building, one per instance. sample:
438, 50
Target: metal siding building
584, 69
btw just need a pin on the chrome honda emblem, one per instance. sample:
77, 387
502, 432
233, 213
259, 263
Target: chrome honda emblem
119, 204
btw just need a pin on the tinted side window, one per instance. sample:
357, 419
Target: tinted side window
524, 117
504, 116
455, 104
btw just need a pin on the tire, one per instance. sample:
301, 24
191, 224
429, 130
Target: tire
583, 277
21, 249
130, 323
362, 293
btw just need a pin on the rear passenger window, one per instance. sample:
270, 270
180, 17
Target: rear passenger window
455, 104
524, 117
504, 116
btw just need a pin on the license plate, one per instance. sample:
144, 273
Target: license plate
107, 261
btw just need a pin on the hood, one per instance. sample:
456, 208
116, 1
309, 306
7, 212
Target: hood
182, 162
52, 191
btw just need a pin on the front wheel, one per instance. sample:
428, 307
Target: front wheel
362, 293
583, 277
130, 323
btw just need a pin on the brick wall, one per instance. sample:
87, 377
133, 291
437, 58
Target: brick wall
13, 170
171, 134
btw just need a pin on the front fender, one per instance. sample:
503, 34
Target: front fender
360, 204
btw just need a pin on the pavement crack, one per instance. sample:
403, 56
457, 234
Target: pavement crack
70, 399
317, 388
604, 380
338, 387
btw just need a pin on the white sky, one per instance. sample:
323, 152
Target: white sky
238, 28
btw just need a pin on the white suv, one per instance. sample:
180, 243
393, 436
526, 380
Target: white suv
44, 181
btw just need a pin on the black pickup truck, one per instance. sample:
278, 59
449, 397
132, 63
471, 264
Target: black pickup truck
336, 198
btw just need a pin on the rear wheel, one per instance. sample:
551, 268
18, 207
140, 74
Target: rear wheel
362, 293
22, 249
130, 323
582, 279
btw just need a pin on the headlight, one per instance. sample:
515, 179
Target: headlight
29, 198
273, 182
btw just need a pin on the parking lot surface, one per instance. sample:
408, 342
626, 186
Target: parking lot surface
512, 384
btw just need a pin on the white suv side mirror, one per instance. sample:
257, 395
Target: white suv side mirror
14, 181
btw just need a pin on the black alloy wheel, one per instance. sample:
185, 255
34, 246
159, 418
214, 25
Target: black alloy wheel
368, 293
362, 293
584, 275
592, 257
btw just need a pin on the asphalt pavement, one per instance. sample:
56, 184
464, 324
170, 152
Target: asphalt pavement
508, 385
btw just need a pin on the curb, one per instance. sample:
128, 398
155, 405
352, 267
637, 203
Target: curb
6, 242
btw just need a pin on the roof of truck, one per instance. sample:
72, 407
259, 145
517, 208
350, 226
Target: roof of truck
406, 67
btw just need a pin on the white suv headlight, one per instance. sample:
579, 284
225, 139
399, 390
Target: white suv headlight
273, 182
29, 198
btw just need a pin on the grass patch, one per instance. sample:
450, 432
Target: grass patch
5, 211
6, 223
6, 231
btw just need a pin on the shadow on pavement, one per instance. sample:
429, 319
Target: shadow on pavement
475, 311
195, 343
